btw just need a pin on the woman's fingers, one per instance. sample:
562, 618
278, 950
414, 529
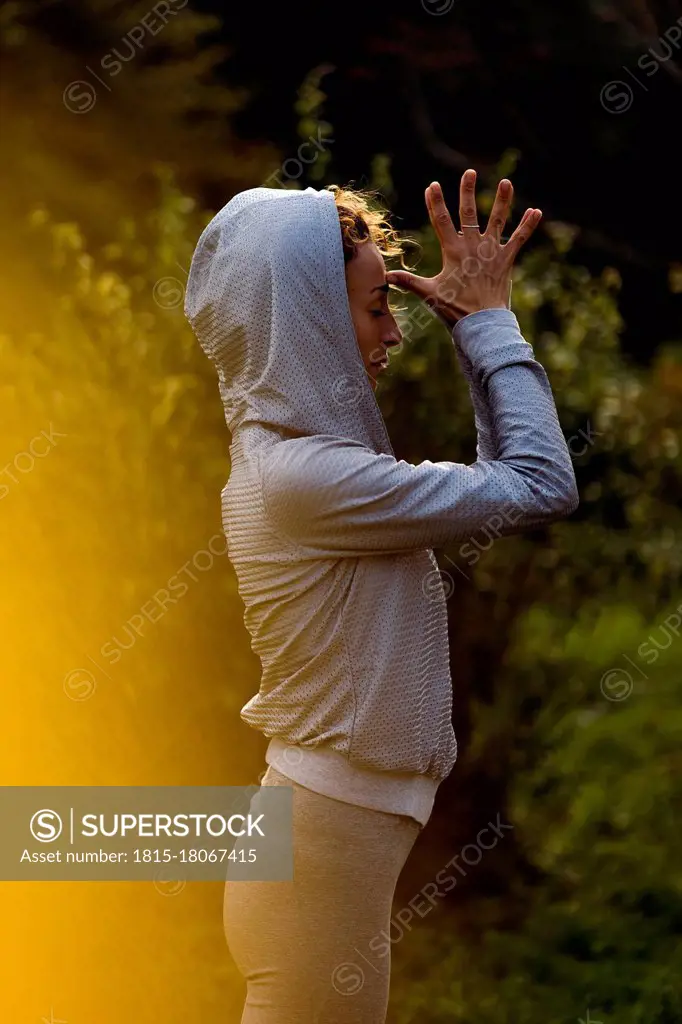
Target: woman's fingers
527, 226
500, 211
420, 286
439, 215
467, 201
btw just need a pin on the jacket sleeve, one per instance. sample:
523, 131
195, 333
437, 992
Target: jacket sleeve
336, 497
486, 443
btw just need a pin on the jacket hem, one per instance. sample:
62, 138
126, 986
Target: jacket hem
330, 773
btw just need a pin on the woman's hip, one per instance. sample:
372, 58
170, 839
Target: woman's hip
329, 924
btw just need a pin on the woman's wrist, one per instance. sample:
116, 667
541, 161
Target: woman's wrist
480, 309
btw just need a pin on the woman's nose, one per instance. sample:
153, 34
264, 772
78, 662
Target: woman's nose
394, 336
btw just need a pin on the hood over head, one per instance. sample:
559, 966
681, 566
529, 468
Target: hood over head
267, 300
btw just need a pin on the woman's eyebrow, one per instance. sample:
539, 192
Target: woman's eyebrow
380, 288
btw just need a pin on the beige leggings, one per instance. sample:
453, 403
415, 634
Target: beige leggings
316, 950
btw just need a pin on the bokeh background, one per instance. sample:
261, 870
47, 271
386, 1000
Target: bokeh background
124, 127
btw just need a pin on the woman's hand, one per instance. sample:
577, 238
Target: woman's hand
477, 268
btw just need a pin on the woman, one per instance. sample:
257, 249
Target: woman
331, 538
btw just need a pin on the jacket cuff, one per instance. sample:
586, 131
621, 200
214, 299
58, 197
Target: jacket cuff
491, 339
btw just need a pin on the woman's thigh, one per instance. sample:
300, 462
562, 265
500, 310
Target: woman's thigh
316, 949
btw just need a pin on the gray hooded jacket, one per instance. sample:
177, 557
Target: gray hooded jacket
329, 534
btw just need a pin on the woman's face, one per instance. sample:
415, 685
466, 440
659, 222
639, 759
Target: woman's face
375, 328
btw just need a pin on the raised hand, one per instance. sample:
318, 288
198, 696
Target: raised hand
477, 267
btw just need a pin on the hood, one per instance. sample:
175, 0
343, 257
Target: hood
266, 298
